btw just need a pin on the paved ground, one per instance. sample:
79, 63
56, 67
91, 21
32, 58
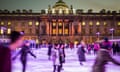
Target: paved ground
42, 64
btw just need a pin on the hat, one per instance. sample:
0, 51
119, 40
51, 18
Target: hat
106, 39
15, 35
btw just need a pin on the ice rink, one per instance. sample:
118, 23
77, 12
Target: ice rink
42, 64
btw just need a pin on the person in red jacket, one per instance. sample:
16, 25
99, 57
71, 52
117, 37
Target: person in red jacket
16, 39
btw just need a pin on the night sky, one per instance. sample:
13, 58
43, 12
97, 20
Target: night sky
37, 5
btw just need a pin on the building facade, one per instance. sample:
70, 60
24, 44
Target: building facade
61, 22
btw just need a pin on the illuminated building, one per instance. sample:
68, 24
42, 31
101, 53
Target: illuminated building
62, 22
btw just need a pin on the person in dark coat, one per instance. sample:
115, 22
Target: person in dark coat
5, 51
49, 50
117, 48
24, 52
114, 49
103, 57
81, 52
61, 55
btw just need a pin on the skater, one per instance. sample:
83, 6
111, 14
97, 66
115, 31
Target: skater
103, 57
56, 58
24, 51
81, 52
62, 55
16, 39
96, 48
49, 51
114, 48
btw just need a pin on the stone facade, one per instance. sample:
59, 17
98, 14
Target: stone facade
62, 22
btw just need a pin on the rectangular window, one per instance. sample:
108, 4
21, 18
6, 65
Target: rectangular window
66, 31
54, 24
1, 31
60, 31
8, 31
9, 23
54, 31
30, 23
2, 23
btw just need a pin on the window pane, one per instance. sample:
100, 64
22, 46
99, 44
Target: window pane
1, 31
9, 31
60, 31
54, 24
83, 23
105, 23
54, 31
97, 23
118, 23
37, 23
60, 24
2, 23
90, 23
9, 23
66, 31
30, 23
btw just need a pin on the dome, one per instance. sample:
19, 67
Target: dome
60, 3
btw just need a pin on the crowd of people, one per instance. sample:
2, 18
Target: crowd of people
56, 52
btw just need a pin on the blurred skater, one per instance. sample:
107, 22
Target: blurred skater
24, 52
16, 39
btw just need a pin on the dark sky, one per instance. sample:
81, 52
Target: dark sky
37, 5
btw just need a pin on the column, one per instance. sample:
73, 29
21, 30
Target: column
47, 28
79, 27
57, 28
72, 29
63, 23
50, 28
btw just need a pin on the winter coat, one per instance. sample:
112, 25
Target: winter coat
62, 55
49, 49
5, 59
81, 53
103, 57
55, 57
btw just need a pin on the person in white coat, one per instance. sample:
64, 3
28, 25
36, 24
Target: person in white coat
56, 58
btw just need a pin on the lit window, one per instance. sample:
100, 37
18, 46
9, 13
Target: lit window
2, 23
30, 23
118, 32
60, 31
1, 31
60, 24
37, 23
9, 31
74, 11
97, 23
60, 11
83, 23
37, 41
54, 24
54, 31
66, 31
67, 11
9, 23
53, 11
90, 23
118, 23
105, 23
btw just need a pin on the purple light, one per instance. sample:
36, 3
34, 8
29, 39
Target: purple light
3, 28
22, 33
111, 29
98, 33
